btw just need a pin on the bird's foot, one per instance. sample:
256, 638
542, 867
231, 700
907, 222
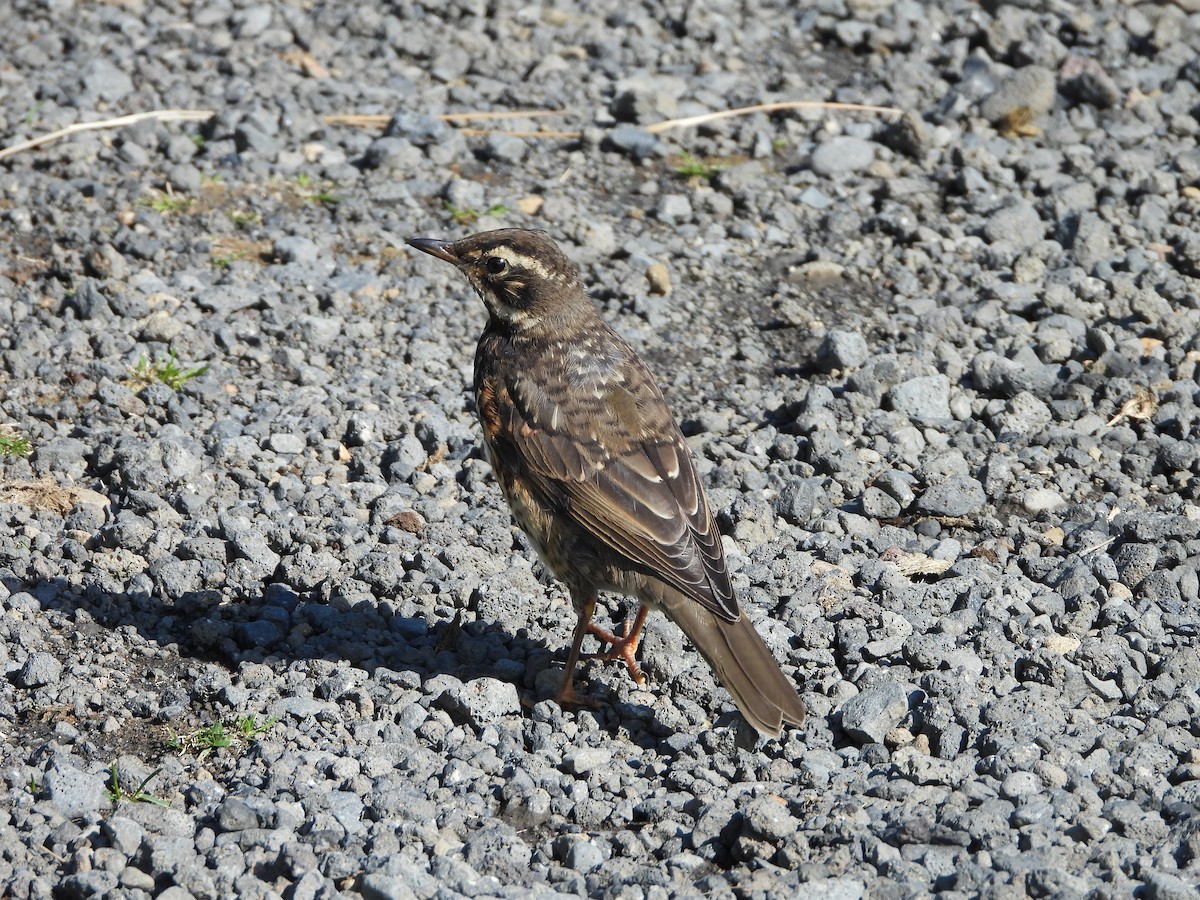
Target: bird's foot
567, 696
623, 647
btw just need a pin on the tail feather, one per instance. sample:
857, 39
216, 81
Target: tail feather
738, 656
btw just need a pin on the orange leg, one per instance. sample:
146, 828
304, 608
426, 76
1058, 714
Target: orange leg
623, 647
566, 691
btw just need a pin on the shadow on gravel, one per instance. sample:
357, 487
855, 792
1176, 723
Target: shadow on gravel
283, 626
154, 645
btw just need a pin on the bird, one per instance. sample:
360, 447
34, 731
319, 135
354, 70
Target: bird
596, 471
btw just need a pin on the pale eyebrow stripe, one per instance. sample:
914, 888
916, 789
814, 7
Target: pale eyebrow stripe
521, 261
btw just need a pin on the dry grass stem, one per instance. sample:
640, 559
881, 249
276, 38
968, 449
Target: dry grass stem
379, 120
161, 115
691, 121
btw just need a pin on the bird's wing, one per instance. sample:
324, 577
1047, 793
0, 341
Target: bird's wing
608, 454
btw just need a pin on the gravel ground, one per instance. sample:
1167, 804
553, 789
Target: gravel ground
940, 373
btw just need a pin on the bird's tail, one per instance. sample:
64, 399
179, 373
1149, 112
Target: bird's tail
736, 652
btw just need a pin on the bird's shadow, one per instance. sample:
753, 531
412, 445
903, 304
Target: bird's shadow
280, 627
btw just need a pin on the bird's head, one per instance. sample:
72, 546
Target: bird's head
521, 276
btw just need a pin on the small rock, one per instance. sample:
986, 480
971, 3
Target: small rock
286, 443
673, 208
1166, 886
1024, 414
498, 850
830, 889
479, 701
252, 22
185, 178
1134, 562
236, 814
769, 819
844, 350
646, 98
393, 154
1085, 80
103, 79
659, 277
922, 399
531, 205
958, 495
504, 148
419, 129
634, 142
583, 855
136, 879
1031, 88
73, 792
879, 505
907, 135
1018, 223
92, 883
582, 760
40, 669
801, 501
842, 154
378, 886
291, 249
123, 834
816, 198
1042, 500
872, 713
1019, 785
161, 326
899, 485
306, 568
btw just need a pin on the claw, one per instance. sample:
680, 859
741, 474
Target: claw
623, 647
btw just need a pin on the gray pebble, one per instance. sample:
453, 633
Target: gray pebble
959, 495
1168, 886
801, 501
39, 670
480, 701
293, 249
73, 792
252, 22
1019, 785
101, 78
1032, 88
922, 399
844, 349
815, 197
96, 883
842, 154
582, 760
583, 855
236, 815
1038, 501
674, 208
634, 142
872, 713
1017, 223
497, 849
287, 443
1134, 562
767, 818
504, 148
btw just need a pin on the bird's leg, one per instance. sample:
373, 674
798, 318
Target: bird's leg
623, 647
566, 691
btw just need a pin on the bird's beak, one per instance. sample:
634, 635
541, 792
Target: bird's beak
434, 247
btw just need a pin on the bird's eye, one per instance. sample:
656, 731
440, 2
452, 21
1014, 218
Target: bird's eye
496, 265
